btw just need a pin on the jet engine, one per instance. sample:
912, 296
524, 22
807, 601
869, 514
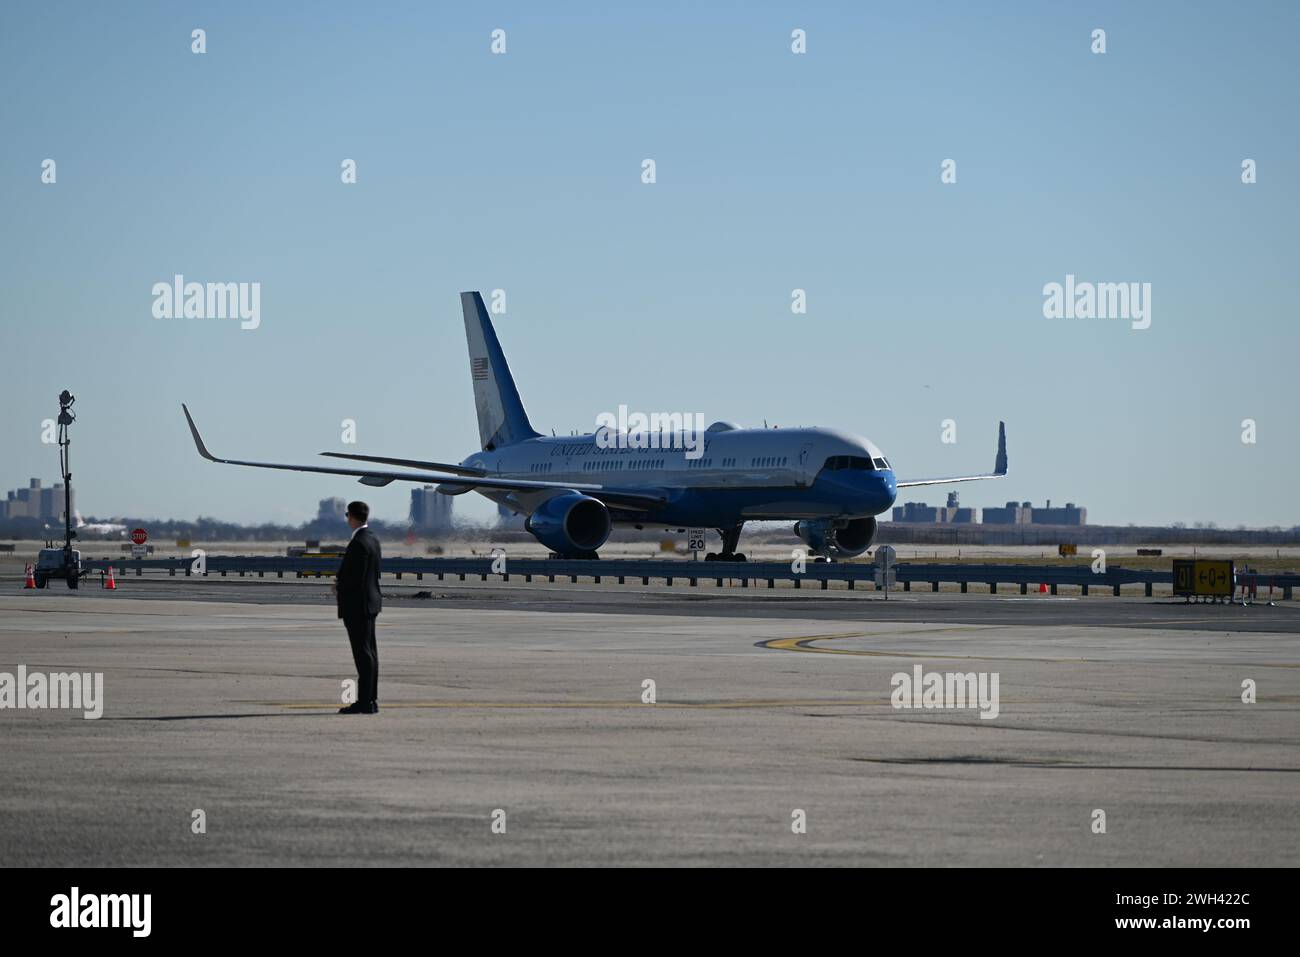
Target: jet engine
572, 525
841, 538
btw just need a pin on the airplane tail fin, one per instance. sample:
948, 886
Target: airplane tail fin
501, 416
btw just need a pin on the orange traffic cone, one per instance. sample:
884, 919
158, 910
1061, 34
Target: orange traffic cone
109, 583
31, 578
1042, 589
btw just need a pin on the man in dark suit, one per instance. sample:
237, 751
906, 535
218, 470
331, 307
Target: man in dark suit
357, 589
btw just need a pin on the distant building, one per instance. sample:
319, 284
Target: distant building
36, 502
1011, 514
430, 510
332, 510
954, 514
950, 514
1025, 514
1070, 515
916, 512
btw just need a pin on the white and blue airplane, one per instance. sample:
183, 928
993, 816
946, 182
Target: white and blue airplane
574, 489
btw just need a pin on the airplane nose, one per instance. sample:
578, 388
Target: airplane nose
889, 486
879, 490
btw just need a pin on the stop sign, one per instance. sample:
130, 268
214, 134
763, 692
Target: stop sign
139, 536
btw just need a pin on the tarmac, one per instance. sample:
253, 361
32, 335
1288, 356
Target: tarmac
515, 728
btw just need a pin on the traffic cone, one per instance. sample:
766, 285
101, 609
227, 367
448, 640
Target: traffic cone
109, 583
31, 578
1042, 589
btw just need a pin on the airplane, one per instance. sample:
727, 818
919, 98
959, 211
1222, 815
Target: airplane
96, 528
574, 489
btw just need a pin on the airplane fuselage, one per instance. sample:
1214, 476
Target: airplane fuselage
740, 474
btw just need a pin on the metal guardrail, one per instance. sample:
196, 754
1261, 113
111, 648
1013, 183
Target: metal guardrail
852, 574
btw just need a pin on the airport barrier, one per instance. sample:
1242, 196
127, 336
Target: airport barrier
756, 574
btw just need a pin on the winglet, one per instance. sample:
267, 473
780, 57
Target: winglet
1000, 466
198, 439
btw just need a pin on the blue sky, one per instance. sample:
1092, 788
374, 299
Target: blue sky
775, 172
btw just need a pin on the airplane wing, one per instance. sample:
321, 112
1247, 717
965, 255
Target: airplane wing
623, 498
999, 467
408, 463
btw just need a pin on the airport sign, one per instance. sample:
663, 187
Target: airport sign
1197, 576
139, 536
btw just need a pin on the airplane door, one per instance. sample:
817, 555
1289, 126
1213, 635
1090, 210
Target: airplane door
806, 468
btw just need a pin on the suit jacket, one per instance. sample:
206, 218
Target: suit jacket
358, 577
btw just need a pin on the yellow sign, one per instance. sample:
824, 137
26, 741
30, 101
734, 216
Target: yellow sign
182, 543
1064, 550
1196, 576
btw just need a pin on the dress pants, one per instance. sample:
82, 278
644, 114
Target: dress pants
361, 634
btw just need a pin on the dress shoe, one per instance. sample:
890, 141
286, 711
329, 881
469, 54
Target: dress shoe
356, 708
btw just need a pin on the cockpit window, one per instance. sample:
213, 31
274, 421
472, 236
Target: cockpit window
837, 463
881, 463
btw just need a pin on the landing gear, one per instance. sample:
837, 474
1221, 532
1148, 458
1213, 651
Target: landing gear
584, 556
730, 539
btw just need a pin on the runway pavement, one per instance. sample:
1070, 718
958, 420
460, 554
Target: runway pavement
527, 701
